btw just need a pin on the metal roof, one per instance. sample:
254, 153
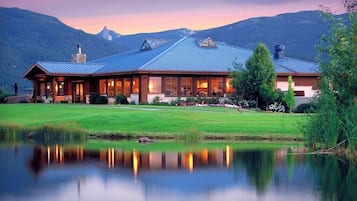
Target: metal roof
69, 67
133, 60
176, 55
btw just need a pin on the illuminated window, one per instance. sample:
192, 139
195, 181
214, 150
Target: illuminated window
229, 86
171, 86
155, 85
216, 86
110, 87
186, 86
136, 85
127, 89
103, 86
118, 86
202, 86
60, 88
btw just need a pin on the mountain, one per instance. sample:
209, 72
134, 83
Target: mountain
108, 34
300, 33
26, 37
134, 41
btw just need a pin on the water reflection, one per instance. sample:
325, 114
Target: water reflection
44, 157
61, 173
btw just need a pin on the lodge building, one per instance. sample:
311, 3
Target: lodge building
165, 68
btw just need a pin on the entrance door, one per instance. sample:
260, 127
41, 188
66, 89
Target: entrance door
78, 92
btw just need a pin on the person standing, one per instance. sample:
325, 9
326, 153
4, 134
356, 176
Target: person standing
15, 88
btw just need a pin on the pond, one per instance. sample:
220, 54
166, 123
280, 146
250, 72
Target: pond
55, 172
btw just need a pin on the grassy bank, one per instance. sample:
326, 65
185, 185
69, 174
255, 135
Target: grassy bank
154, 120
165, 146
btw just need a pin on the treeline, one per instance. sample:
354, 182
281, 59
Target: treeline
27, 37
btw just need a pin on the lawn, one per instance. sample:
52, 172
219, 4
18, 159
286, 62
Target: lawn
154, 120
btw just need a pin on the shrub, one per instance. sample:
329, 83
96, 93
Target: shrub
305, 108
163, 103
97, 99
213, 100
92, 98
101, 100
121, 99
176, 102
3, 95
191, 135
156, 100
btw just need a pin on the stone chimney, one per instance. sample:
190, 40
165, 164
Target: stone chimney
279, 51
79, 57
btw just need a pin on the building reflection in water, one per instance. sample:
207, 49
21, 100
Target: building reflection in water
135, 160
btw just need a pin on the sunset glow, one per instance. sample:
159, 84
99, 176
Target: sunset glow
127, 17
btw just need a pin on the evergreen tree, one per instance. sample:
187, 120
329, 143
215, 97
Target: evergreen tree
289, 97
258, 79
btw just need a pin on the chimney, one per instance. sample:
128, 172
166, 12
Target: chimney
279, 51
79, 57
79, 49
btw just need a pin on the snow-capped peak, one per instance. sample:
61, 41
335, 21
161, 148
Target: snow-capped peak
108, 34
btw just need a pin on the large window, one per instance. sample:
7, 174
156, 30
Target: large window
216, 86
202, 86
60, 88
229, 86
118, 86
155, 85
127, 89
186, 86
170, 86
110, 87
103, 86
136, 85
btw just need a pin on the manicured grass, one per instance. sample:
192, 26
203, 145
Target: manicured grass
154, 120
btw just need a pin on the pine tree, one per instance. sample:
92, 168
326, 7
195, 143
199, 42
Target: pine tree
259, 77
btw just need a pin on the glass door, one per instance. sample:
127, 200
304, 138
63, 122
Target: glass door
78, 92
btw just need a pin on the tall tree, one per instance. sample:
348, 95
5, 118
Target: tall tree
289, 97
336, 116
258, 79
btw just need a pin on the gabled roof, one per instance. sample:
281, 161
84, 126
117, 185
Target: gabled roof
185, 55
67, 68
151, 44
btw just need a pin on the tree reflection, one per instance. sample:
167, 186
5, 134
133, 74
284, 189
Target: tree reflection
259, 165
336, 178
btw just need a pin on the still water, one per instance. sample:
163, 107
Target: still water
57, 173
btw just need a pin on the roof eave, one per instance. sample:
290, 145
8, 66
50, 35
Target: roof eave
298, 74
36, 65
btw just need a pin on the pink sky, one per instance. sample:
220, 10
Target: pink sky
137, 16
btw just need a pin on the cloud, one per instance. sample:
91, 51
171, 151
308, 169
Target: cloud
261, 2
